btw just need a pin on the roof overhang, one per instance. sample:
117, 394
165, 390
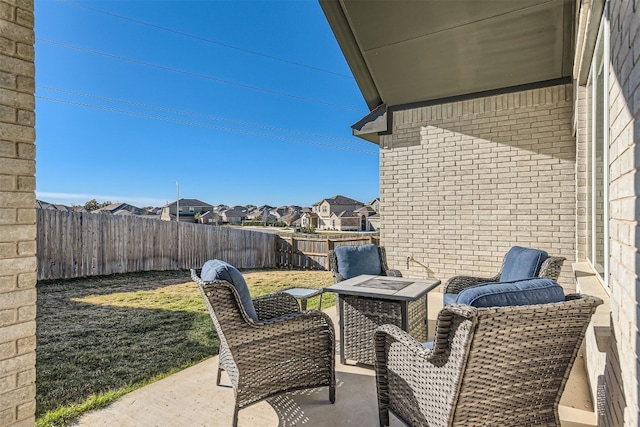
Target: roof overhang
373, 124
406, 52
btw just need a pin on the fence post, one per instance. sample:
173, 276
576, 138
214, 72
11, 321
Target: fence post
293, 251
177, 244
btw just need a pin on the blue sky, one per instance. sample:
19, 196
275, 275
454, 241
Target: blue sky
240, 102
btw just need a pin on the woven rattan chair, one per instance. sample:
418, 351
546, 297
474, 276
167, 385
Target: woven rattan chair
285, 349
498, 366
384, 269
549, 269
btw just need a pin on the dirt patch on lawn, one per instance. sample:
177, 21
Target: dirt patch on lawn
145, 280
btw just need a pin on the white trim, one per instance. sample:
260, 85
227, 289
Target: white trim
604, 34
607, 139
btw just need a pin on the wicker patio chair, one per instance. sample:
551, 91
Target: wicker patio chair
284, 350
496, 366
549, 269
362, 251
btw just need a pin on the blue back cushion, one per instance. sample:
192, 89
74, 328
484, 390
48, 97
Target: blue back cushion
219, 270
356, 260
522, 263
522, 292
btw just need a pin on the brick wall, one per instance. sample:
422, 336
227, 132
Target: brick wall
624, 188
17, 215
462, 182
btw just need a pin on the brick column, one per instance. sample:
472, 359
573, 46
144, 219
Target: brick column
17, 215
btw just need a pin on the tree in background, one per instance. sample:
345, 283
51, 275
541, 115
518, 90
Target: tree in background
93, 204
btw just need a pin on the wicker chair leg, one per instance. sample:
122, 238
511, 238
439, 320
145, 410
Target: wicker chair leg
332, 394
219, 374
383, 414
235, 416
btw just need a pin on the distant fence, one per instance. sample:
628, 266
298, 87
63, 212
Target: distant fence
75, 244
312, 252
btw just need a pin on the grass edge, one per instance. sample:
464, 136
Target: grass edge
64, 415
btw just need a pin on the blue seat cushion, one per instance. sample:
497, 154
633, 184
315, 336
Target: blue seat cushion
356, 260
219, 270
449, 299
522, 263
522, 292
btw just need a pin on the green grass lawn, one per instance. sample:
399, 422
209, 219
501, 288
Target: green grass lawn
101, 337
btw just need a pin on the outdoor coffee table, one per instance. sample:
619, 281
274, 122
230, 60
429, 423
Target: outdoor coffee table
366, 302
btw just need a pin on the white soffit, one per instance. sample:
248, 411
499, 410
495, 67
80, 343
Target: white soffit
423, 50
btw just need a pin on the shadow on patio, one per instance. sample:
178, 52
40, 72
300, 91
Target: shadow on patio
191, 398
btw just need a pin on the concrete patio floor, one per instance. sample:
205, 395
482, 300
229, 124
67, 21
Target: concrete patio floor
191, 398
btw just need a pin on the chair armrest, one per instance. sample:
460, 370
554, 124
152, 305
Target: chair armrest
275, 305
406, 350
448, 319
393, 273
420, 384
551, 267
457, 284
395, 334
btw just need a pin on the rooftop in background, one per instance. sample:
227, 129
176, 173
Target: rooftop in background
339, 200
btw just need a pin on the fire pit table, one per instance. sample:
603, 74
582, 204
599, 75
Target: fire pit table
366, 302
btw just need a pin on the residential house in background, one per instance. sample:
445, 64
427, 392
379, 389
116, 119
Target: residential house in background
344, 221
221, 208
335, 206
507, 123
371, 217
342, 214
58, 207
261, 214
292, 217
368, 218
282, 211
209, 218
308, 218
112, 209
188, 209
375, 204
127, 209
235, 215
154, 210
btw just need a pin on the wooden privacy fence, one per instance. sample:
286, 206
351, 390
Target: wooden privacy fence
78, 244
313, 252
74, 244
